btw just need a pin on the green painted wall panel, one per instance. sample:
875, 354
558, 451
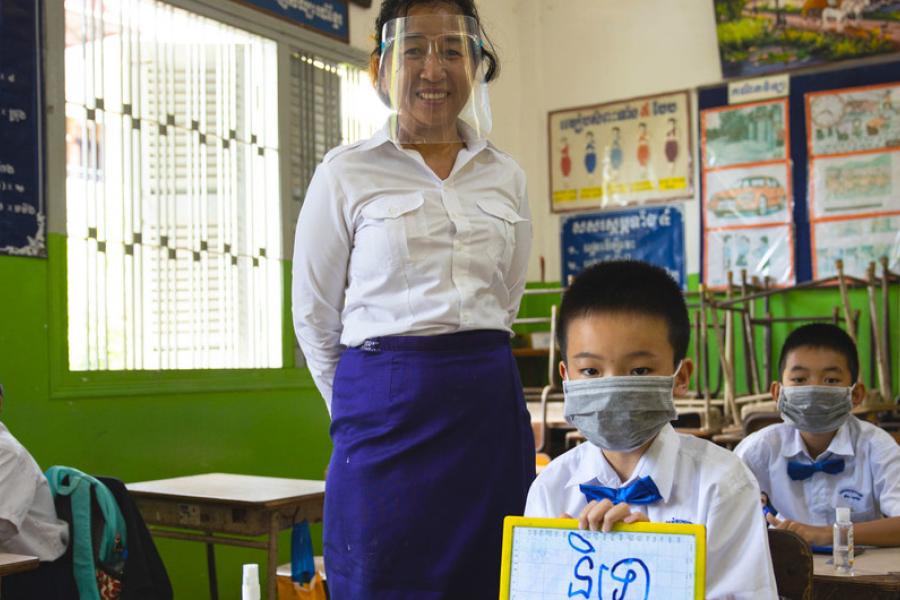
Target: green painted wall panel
279, 432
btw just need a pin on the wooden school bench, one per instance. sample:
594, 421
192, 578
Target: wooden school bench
227, 509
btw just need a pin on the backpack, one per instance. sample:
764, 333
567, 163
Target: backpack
97, 540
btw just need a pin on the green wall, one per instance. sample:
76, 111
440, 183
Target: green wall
282, 431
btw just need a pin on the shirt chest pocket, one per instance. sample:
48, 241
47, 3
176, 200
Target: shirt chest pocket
495, 233
385, 229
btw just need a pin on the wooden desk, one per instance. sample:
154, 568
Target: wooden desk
876, 576
219, 507
17, 563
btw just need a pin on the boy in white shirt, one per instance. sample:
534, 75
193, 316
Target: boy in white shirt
623, 332
822, 457
28, 522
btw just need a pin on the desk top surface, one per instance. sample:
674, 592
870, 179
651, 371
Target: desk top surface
874, 563
16, 563
231, 489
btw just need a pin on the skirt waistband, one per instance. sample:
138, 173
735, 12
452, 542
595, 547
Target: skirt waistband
450, 342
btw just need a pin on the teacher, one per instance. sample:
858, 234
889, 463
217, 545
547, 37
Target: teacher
409, 264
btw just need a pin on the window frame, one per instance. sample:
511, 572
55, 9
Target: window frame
67, 384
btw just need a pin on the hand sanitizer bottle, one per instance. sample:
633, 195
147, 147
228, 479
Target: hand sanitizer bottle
250, 585
843, 542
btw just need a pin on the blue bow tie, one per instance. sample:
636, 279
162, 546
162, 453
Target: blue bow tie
799, 471
640, 491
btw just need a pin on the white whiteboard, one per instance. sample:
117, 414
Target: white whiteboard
552, 562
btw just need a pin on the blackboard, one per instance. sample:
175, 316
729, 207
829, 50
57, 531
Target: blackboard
22, 213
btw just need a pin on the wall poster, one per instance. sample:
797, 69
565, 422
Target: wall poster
767, 36
853, 141
654, 234
747, 193
622, 153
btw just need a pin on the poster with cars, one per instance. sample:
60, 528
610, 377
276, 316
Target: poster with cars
761, 251
622, 153
853, 142
747, 193
760, 194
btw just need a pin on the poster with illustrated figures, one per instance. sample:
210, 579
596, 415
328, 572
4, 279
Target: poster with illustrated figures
747, 194
761, 251
622, 153
853, 139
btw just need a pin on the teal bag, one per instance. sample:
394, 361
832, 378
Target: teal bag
67, 481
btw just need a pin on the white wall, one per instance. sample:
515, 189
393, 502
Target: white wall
562, 53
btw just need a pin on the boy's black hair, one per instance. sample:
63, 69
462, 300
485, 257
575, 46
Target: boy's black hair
628, 286
822, 335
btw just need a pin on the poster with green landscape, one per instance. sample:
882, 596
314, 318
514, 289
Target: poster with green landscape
757, 37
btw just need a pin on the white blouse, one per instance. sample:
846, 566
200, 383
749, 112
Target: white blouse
385, 247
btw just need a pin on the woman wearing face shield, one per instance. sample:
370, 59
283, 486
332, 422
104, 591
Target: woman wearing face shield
409, 265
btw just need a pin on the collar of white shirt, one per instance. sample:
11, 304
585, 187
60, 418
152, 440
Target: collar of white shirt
382, 136
841, 444
658, 461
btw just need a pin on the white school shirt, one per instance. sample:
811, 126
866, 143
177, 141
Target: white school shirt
385, 247
869, 484
28, 523
700, 483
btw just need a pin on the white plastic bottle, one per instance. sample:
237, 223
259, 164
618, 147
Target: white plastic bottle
842, 544
250, 583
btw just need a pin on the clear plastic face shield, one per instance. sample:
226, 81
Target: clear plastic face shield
432, 77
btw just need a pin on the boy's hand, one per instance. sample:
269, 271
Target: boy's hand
816, 536
601, 516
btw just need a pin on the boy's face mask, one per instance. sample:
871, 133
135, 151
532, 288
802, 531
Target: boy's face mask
815, 408
620, 413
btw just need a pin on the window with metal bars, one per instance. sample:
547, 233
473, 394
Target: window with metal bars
331, 103
174, 212
172, 191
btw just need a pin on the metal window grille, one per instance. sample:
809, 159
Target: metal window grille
172, 190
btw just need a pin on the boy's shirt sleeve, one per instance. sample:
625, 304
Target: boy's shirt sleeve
885, 465
19, 486
754, 453
738, 563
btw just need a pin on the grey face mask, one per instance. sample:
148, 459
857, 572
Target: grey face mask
815, 408
619, 413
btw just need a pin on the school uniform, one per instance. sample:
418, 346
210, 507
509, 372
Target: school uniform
28, 522
698, 483
405, 287
865, 477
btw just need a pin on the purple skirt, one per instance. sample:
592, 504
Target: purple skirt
432, 448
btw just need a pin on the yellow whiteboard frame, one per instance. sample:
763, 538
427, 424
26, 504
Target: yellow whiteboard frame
698, 531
